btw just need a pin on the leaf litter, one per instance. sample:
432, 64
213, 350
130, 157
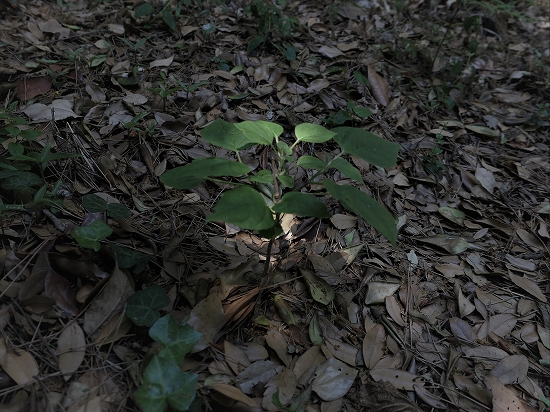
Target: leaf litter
455, 317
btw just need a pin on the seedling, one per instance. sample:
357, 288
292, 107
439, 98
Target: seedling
257, 201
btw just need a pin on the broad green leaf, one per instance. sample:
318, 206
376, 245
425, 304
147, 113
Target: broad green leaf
367, 146
117, 210
89, 236
263, 176
345, 167
226, 135
243, 207
287, 181
169, 19
362, 111
143, 10
312, 133
365, 206
314, 329
178, 340
311, 163
190, 175
272, 232
254, 43
30, 134
16, 149
94, 203
143, 305
260, 131
361, 79
21, 181
301, 204
164, 382
319, 289
130, 258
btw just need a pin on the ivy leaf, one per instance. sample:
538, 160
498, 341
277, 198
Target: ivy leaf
143, 305
178, 340
243, 207
94, 203
143, 10
130, 258
263, 176
301, 204
21, 182
89, 236
365, 206
164, 382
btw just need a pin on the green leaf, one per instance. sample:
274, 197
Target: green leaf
190, 175
365, 206
311, 163
16, 149
243, 207
345, 167
178, 340
361, 79
226, 135
367, 146
301, 204
30, 135
164, 382
272, 232
312, 133
143, 305
169, 19
97, 60
263, 176
89, 236
117, 210
362, 111
130, 258
260, 131
287, 181
254, 43
319, 289
143, 10
93, 203
21, 182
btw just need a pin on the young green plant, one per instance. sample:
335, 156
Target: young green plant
257, 201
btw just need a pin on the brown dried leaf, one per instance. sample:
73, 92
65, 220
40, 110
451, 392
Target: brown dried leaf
373, 345
233, 393
504, 399
20, 366
501, 324
59, 289
379, 86
462, 330
72, 348
512, 369
235, 357
529, 286
400, 379
278, 343
109, 302
206, 318
394, 310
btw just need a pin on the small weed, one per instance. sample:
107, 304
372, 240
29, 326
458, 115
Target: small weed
273, 27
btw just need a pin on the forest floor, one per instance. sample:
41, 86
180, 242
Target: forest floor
103, 97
